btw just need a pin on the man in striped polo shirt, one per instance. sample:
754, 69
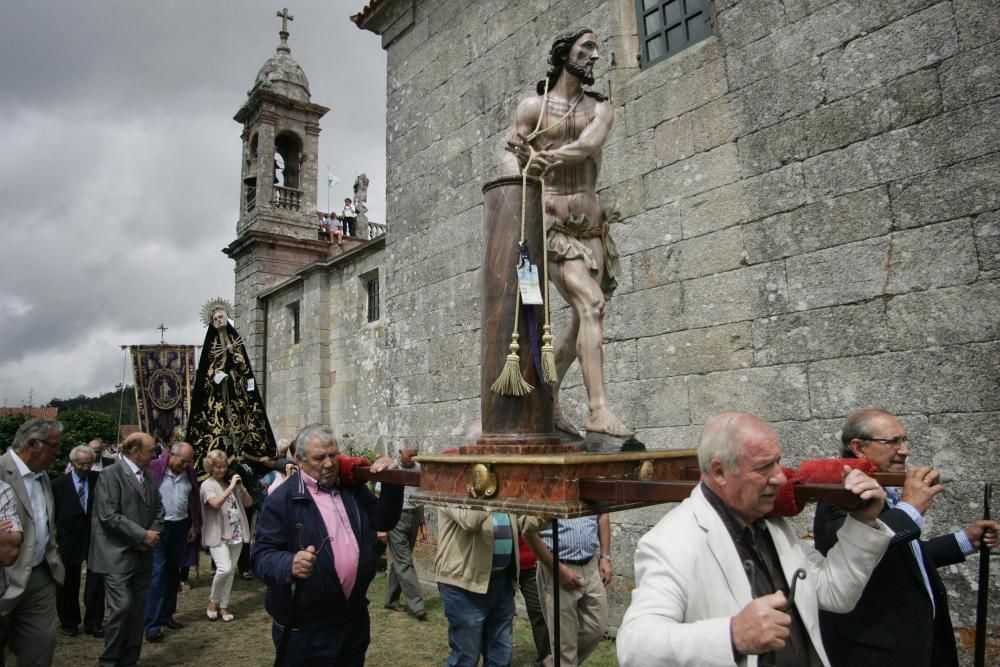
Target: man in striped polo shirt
476, 569
584, 570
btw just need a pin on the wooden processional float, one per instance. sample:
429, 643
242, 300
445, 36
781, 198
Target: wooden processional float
520, 463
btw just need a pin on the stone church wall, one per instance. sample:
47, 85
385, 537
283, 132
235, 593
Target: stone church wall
809, 225
334, 374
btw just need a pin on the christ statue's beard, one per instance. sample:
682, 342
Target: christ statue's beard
580, 72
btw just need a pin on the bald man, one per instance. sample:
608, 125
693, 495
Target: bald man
127, 522
175, 477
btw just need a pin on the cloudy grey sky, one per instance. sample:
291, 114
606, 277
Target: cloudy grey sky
119, 183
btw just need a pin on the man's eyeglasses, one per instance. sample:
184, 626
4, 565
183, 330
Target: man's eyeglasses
896, 442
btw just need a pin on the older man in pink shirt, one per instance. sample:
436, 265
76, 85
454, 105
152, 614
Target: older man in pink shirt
312, 527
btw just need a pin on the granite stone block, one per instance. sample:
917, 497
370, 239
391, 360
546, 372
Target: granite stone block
773, 393
966, 188
853, 217
943, 140
960, 378
970, 76
750, 20
734, 296
904, 46
870, 112
987, 231
694, 175
690, 258
824, 333
949, 316
933, 256
722, 347
840, 275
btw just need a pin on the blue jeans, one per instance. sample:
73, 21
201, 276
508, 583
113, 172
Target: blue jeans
161, 600
480, 623
341, 645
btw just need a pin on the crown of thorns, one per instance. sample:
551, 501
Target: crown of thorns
218, 303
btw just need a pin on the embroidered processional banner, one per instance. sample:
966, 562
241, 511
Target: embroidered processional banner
164, 378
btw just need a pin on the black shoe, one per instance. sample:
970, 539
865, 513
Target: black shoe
95, 632
174, 625
70, 631
154, 636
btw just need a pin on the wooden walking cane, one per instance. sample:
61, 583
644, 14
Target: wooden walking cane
984, 585
297, 589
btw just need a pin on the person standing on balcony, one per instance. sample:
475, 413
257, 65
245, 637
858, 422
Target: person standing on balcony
350, 217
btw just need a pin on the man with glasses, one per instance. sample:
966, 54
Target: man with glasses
714, 579
74, 501
902, 617
174, 476
28, 608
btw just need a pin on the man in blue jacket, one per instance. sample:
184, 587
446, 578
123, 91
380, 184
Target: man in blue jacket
312, 527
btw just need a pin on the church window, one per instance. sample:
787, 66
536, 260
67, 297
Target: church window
667, 27
294, 322
373, 298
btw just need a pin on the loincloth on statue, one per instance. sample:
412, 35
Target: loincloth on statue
564, 242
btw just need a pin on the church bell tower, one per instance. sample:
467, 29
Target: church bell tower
277, 229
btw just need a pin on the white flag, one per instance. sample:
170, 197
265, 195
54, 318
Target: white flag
331, 179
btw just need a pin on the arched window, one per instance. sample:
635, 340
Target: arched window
289, 147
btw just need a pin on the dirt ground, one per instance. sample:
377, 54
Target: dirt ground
397, 639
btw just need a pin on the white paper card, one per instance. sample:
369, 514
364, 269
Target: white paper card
250, 384
527, 278
219, 377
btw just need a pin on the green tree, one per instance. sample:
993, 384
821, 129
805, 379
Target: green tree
80, 426
8, 427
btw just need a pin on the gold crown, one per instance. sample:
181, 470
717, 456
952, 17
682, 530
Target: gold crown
218, 303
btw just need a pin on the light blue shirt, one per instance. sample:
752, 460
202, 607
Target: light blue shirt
893, 497
578, 538
175, 491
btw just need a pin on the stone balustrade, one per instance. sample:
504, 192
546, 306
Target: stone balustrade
287, 198
375, 229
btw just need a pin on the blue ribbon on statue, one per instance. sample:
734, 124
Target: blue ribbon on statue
532, 323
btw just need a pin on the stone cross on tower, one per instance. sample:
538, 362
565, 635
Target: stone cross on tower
163, 330
285, 18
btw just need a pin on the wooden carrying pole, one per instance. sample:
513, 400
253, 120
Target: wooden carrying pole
627, 491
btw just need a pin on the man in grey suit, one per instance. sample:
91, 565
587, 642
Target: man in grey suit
28, 608
128, 518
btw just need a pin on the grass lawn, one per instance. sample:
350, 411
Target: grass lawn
397, 639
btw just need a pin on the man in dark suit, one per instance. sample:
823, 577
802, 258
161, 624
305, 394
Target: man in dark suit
28, 608
74, 495
902, 617
313, 528
127, 521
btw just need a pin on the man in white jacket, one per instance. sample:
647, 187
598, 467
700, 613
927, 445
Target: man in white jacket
713, 576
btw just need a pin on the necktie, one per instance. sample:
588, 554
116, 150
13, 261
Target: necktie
142, 483
83, 494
